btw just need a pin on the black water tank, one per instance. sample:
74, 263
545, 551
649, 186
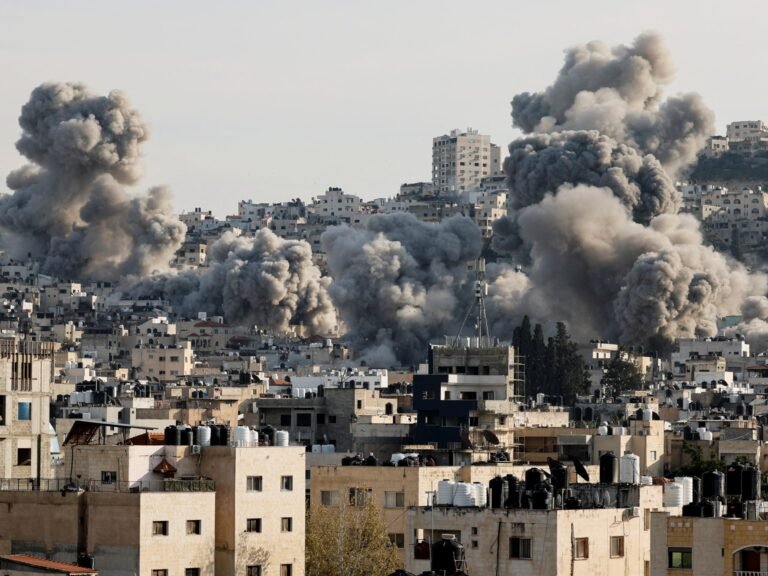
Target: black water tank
533, 477
733, 479
577, 413
588, 414
609, 468
750, 484
447, 556
514, 489
186, 436
214, 435
560, 478
713, 484
172, 436
692, 510
223, 435
736, 509
499, 489
542, 500
707, 509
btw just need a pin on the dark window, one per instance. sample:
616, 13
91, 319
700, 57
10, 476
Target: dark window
331, 419
160, 528
581, 551
253, 570
194, 527
160, 572
286, 483
359, 496
520, 548
108, 477
680, 558
253, 525
24, 457
617, 546
286, 569
398, 539
191, 571
254, 484
286, 524
285, 419
320, 419
304, 420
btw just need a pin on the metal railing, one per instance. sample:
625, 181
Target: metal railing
66, 485
749, 573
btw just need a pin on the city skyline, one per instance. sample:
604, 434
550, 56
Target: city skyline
234, 114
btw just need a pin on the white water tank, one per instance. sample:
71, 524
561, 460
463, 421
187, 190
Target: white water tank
687, 483
686, 403
254, 438
204, 435
328, 448
629, 469
481, 496
707, 435
242, 436
673, 494
396, 457
464, 496
602, 430
316, 448
646, 480
445, 490
618, 431
281, 438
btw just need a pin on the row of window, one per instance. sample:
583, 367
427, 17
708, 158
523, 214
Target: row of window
361, 496
254, 525
254, 570
256, 483
160, 527
520, 548
304, 419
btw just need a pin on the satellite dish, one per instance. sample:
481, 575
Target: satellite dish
553, 464
581, 470
491, 438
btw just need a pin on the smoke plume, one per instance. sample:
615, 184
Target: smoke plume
607, 275
263, 280
400, 282
619, 92
69, 206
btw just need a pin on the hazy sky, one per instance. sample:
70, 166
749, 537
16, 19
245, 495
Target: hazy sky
270, 100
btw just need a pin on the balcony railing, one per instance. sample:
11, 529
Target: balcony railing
65, 485
749, 573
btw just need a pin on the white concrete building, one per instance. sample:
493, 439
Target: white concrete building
460, 160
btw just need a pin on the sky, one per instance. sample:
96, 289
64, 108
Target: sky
277, 99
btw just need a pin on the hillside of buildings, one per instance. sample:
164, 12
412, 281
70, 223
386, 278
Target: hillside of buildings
732, 168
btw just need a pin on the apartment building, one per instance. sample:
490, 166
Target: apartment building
165, 363
460, 160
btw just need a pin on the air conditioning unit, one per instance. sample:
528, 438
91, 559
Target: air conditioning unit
633, 512
197, 449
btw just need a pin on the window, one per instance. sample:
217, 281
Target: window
285, 419
680, 558
304, 420
253, 525
329, 498
286, 569
286, 524
194, 527
160, 528
653, 454
162, 572
24, 457
394, 499
520, 548
398, 540
286, 483
359, 404
582, 548
359, 496
192, 572
320, 419
253, 570
108, 477
253, 484
25, 410
617, 546
331, 419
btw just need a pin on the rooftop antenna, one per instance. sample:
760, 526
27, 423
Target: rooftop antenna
478, 304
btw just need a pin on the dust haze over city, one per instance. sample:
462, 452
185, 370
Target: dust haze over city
402, 234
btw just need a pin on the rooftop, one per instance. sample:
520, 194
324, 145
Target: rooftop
50, 565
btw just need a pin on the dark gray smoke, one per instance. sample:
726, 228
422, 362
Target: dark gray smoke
609, 276
400, 282
262, 280
69, 206
619, 92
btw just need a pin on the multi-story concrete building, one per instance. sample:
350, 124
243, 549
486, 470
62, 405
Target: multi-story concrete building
460, 160
173, 510
746, 129
166, 363
683, 545
336, 203
491, 205
26, 388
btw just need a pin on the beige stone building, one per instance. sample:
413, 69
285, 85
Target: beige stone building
156, 510
708, 546
166, 363
460, 160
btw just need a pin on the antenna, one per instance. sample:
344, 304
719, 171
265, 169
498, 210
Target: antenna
481, 321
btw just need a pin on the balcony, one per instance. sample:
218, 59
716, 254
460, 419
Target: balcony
749, 573
65, 485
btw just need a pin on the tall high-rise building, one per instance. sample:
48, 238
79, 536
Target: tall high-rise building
461, 159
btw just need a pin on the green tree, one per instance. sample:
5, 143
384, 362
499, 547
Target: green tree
536, 363
622, 375
571, 377
348, 540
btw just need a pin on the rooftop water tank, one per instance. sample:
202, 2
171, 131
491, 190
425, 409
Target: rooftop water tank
281, 438
445, 492
464, 496
204, 435
609, 468
242, 436
629, 469
673, 495
687, 483
481, 496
